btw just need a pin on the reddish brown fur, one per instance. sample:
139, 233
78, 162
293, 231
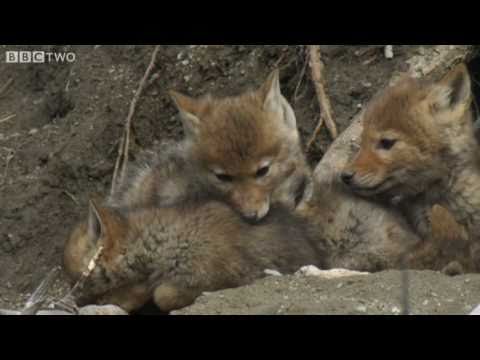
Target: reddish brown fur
233, 137
398, 113
173, 254
234, 132
430, 168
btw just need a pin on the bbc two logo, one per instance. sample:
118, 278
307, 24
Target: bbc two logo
38, 57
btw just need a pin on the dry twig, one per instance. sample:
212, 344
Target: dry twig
122, 159
300, 80
315, 133
72, 197
8, 117
326, 117
5, 87
10, 155
39, 296
67, 299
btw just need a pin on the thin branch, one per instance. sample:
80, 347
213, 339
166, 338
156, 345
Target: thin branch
5, 87
300, 80
8, 117
85, 275
316, 132
7, 163
326, 117
38, 297
71, 196
122, 159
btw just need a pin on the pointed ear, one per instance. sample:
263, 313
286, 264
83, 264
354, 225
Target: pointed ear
273, 100
95, 224
105, 223
188, 108
453, 92
270, 93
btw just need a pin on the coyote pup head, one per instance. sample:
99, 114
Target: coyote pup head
413, 135
244, 146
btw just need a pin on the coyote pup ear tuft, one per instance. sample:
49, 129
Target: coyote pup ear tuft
106, 224
454, 91
95, 224
188, 108
271, 94
272, 99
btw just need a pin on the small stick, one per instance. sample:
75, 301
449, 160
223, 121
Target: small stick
7, 163
123, 149
315, 133
302, 75
117, 165
8, 117
71, 196
85, 275
316, 66
5, 87
37, 299
280, 59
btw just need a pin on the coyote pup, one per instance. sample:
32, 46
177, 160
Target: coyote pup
173, 254
243, 150
419, 151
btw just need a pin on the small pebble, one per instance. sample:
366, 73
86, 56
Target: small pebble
361, 308
476, 311
101, 310
272, 273
396, 310
389, 52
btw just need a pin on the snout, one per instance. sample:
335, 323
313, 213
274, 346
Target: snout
256, 214
252, 205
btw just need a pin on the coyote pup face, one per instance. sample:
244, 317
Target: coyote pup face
245, 146
412, 135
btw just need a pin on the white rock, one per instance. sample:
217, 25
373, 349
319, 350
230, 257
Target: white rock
361, 308
396, 310
389, 51
101, 310
476, 311
272, 273
53, 313
328, 274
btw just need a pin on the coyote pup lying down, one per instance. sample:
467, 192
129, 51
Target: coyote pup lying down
173, 254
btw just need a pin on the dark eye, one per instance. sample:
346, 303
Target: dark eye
263, 172
387, 144
224, 178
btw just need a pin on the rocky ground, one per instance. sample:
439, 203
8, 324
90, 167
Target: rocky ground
429, 293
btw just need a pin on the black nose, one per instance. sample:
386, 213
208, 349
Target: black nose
347, 177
